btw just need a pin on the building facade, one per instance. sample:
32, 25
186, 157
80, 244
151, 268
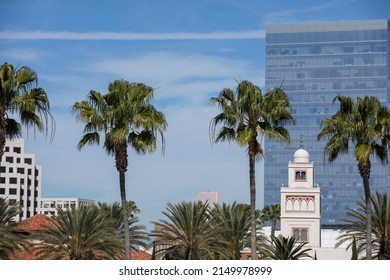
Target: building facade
50, 206
313, 62
20, 178
300, 201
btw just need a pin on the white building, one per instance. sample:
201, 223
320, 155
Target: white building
300, 202
20, 181
20, 178
300, 206
50, 206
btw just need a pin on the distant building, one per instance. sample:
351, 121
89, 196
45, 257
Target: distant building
20, 182
313, 62
20, 178
50, 206
209, 197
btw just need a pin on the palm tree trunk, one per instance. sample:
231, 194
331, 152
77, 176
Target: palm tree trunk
364, 170
252, 184
384, 249
121, 165
273, 227
237, 251
122, 186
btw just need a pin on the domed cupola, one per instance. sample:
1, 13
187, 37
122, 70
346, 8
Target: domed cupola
301, 156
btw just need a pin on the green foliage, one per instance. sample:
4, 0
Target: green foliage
232, 224
354, 249
79, 234
20, 96
271, 213
138, 234
188, 233
246, 114
355, 230
123, 117
366, 124
10, 239
285, 248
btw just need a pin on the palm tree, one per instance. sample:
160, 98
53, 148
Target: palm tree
124, 117
9, 237
188, 232
286, 248
355, 231
138, 234
19, 95
247, 114
79, 234
232, 223
364, 123
271, 213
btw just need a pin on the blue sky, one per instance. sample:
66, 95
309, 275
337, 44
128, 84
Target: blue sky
187, 50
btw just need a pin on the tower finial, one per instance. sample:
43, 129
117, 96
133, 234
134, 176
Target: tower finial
301, 142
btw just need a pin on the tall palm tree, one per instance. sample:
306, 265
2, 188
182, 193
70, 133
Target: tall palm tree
138, 234
20, 95
355, 230
79, 234
9, 238
123, 117
364, 123
188, 232
272, 213
232, 223
286, 248
246, 114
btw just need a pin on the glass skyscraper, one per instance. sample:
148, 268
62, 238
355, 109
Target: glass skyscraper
313, 62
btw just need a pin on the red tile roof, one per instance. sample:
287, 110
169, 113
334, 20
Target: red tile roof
140, 255
36, 223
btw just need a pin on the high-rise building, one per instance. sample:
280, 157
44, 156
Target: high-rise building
20, 179
313, 62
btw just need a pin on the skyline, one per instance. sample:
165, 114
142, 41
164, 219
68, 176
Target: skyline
187, 51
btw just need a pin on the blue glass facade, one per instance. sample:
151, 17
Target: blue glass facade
313, 62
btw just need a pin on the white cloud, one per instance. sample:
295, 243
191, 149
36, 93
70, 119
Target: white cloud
22, 54
190, 77
67, 35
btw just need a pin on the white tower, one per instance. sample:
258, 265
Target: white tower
300, 202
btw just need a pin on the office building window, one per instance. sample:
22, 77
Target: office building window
12, 191
13, 180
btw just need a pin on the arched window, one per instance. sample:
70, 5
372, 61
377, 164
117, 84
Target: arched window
300, 175
300, 234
